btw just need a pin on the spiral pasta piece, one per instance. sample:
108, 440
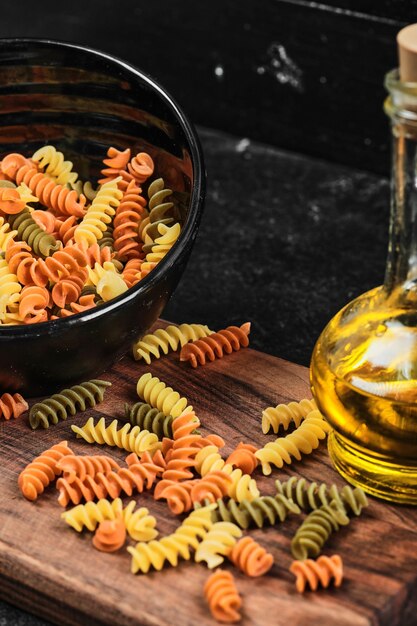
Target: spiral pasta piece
166, 339
159, 212
64, 229
23, 264
94, 254
320, 572
181, 458
303, 440
26, 195
251, 558
354, 500
215, 346
316, 529
243, 457
33, 304
68, 290
99, 271
285, 414
107, 239
140, 475
145, 268
132, 272
242, 487
38, 474
84, 303
126, 223
45, 220
185, 445
148, 418
86, 490
157, 394
80, 467
67, 402
217, 544
163, 243
185, 425
99, 214
53, 163
116, 160
56, 197
13, 162
86, 189
12, 405
141, 167
110, 535
89, 515
42, 243
222, 597
310, 496
111, 285
257, 512
139, 524
181, 496
177, 494
131, 439
10, 201
65, 263
171, 547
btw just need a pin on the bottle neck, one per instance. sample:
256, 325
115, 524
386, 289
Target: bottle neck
401, 106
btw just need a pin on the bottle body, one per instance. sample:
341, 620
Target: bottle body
364, 380
364, 365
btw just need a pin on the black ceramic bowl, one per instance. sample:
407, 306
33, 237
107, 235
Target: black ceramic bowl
83, 101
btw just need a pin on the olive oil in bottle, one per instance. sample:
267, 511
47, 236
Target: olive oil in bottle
364, 365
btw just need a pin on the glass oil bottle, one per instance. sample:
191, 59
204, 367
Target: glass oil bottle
364, 365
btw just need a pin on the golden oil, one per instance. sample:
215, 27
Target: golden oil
364, 380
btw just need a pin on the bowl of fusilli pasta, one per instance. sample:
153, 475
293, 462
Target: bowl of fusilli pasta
102, 185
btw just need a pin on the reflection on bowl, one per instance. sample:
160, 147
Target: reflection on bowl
83, 101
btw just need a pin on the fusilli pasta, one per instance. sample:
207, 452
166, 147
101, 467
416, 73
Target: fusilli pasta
320, 572
166, 339
67, 402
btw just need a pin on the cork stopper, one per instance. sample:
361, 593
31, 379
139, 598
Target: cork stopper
407, 53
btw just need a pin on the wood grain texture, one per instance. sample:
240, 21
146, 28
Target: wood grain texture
49, 569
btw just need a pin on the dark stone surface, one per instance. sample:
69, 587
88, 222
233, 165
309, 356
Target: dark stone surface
285, 241
298, 74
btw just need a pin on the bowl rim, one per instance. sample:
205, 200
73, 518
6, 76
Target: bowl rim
190, 227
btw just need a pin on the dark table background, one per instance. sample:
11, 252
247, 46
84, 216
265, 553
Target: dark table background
287, 99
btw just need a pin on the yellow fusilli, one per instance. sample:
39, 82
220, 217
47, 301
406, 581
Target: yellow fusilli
56, 167
284, 414
171, 547
157, 394
169, 338
99, 214
302, 441
217, 544
139, 524
129, 438
164, 243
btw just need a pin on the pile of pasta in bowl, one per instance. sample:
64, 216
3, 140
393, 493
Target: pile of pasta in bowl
66, 245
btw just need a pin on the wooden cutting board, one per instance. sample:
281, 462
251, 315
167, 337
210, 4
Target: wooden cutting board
52, 571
